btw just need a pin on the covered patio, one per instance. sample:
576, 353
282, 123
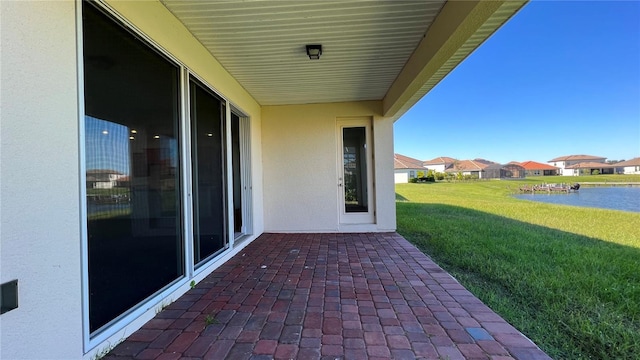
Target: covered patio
214, 126
328, 296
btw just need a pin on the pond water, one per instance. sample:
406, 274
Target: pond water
617, 198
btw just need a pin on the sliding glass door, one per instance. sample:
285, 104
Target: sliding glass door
241, 174
131, 122
208, 154
167, 173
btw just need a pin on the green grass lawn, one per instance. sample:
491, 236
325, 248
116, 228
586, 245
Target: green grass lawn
567, 277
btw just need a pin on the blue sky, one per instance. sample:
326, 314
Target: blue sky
560, 78
107, 145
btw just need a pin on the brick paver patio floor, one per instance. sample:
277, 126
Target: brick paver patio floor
328, 296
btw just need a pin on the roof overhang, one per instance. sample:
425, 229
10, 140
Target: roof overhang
388, 51
458, 30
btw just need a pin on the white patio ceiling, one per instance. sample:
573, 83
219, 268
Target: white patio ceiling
366, 46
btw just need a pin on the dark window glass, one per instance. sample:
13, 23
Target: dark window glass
355, 169
131, 147
237, 173
208, 157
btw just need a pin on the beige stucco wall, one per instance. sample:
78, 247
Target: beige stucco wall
300, 158
39, 186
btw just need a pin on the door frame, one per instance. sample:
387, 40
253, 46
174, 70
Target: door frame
344, 217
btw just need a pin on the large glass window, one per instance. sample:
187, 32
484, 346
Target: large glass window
236, 167
241, 170
208, 164
132, 168
355, 169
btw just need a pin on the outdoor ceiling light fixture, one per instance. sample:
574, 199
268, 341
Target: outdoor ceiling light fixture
314, 51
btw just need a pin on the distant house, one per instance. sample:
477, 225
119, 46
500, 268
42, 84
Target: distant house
512, 171
439, 164
104, 178
406, 168
564, 162
468, 167
533, 168
486, 169
589, 168
494, 170
630, 166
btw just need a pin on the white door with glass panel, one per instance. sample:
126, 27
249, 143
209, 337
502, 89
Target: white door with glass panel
355, 171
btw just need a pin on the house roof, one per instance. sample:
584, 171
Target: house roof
513, 165
591, 165
485, 161
440, 160
405, 162
467, 165
577, 157
495, 166
631, 162
390, 51
533, 165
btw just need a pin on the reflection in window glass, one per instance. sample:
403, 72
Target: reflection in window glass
108, 193
132, 169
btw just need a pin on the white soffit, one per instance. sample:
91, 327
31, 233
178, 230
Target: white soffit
365, 44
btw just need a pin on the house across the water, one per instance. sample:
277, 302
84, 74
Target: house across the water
533, 168
629, 167
569, 165
485, 169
